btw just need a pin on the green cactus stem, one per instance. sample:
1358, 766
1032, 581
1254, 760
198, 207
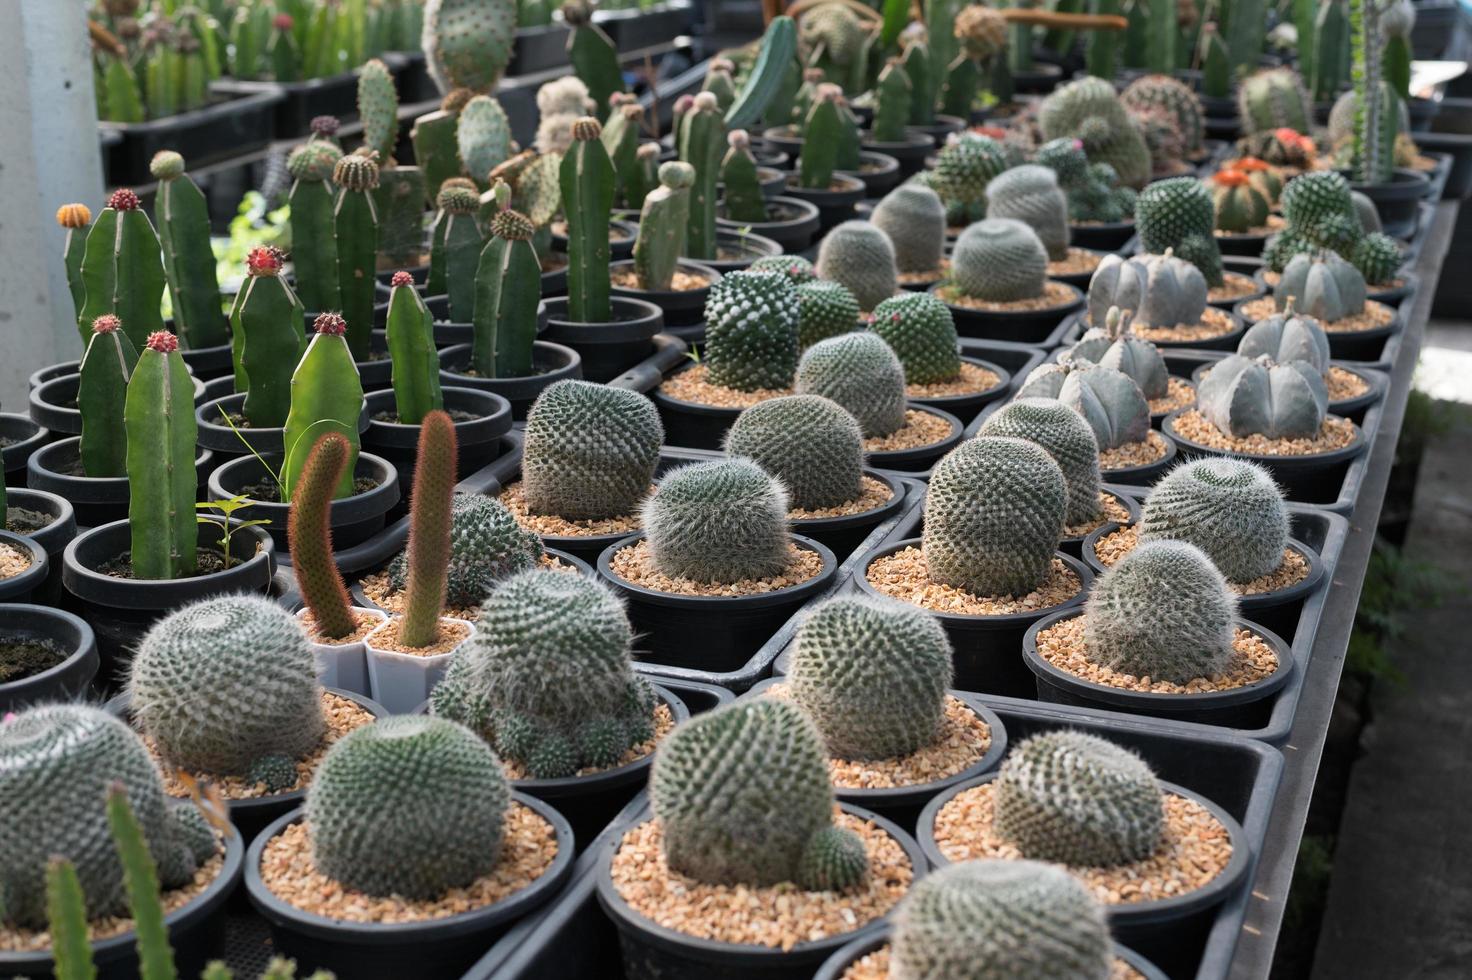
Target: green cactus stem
184, 232
416, 365
1216, 67
436, 146
593, 55
309, 530
123, 270
158, 414
313, 240
66, 916
429, 531
662, 227
455, 243
326, 396
508, 287
744, 199
268, 339
621, 140
892, 96
140, 877
75, 218
821, 138
702, 146
775, 70
355, 225
586, 177
101, 391
378, 107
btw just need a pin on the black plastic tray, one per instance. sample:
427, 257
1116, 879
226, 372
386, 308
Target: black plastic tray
632, 30
333, 95
240, 124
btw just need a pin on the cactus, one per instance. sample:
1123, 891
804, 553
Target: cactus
309, 531
1321, 213
410, 805
508, 288
892, 93
122, 270
1287, 336
1373, 145
1378, 257
1089, 110
823, 138
920, 330
770, 76
1326, 288
1240, 205
1280, 148
1165, 92
1245, 396
355, 225
1093, 191
718, 82
158, 415
721, 521
429, 531
483, 137
913, 218
872, 674
770, 815
809, 443
1229, 508
835, 41
920, 71
1109, 400
486, 547
184, 234
1263, 176
963, 168
1066, 437
586, 177
456, 241
57, 765
744, 200
378, 107
1274, 99
751, 331
999, 260
326, 396
436, 141
467, 43
546, 679
994, 516
1162, 290
416, 365
1077, 799
1114, 346
621, 140
1178, 214
268, 339
860, 373
590, 451
76, 219
594, 57
101, 390
1030, 194
662, 227
858, 255
702, 142
795, 268
824, 309
313, 237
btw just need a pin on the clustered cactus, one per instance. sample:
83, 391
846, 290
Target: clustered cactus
751, 331
1093, 188
721, 521
1321, 215
1090, 111
1066, 437
486, 547
1166, 93
590, 451
811, 444
999, 260
1178, 215
1229, 508
963, 168
860, 372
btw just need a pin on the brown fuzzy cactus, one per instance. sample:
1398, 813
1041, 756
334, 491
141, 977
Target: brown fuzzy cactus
430, 510
309, 527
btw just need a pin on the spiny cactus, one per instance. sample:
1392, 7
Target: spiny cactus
834, 38
721, 521
430, 518
313, 238
811, 444
1089, 110
486, 546
1244, 396
309, 530
1078, 799
1324, 287
751, 331
1378, 257
1109, 400
410, 805
1030, 194
378, 106
416, 365
662, 226
1287, 336
587, 180
1093, 190
1113, 346
1066, 437
994, 515
356, 225
483, 137
1274, 99
768, 818
1178, 214
872, 674
1229, 508
1240, 204
859, 256
158, 416
824, 309
467, 43
913, 217
102, 386
861, 373
1160, 290
590, 450
920, 330
963, 168
1165, 92
999, 260
794, 267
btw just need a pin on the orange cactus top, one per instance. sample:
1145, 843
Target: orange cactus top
1229, 178
1250, 164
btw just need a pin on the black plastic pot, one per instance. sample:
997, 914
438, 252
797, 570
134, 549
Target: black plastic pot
942, 127
843, 534
966, 407
1145, 474
1398, 200
477, 439
95, 500
836, 966
233, 126
737, 249
53, 404
554, 280
19, 587
653, 952
784, 139
1102, 237
433, 949
550, 362
120, 610
621, 246
691, 425
21, 437
791, 222
680, 307
607, 349
1459, 147
879, 172
1082, 545
217, 435
710, 632
909, 154
1299, 476
772, 181
1368, 345
40, 376
68, 680
53, 538
354, 519
447, 332
1020, 326
835, 206
921, 458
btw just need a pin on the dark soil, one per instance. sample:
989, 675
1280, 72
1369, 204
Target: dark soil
20, 659
207, 562
20, 520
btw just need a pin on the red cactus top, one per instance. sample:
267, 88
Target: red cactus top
402, 278
123, 199
330, 323
263, 260
324, 125
106, 323
163, 342
282, 22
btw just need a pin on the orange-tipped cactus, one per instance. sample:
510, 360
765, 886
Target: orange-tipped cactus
429, 530
310, 530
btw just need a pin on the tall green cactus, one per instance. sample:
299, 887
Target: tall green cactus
775, 70
355, 225
66, 915
158, 414
268, 323
1216, 65
703, 146
101, 391
744, 199
621, 140
326, 396
75, 218
140, 876
429, 531
1328, 54
1246, 33
1373, 149
436, 144
662, 226
919, 68
820, 140
313, 240
310, 533
593, 55
455, 243
586, 178
184, 232
892, 97
123, 270
416, 365
508, 288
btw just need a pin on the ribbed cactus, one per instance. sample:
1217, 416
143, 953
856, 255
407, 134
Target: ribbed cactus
508, 289
1240, 204
1245, 396
1324, 287
587, 179
811, 444
223, 682
593, 55
824, 309
1165, 92
827, 130
590, 451
410, 336
467, 43
721, 521
546, 679
1108, 399
313, 238
436, 145
1030, 194
859, 256
486, 547
1274, 99
662, 226
75, 219
122, 270
456, 240
1089, 110
430, 518
101, 390
892, 93
268, 339
744, 200
483, 137
158, 414
622, 132
1078, 799
994, 515
914, 219
796, 268
1159, 290
1229, 508
1378, 257
57, 763
861, 373
872, 674
999, 260
309, 530
1178, 214
410, 805
1066, 437
184, 233
1113, 346
702, 145
963, 168
751, 331
355, 224
1287, 336
767, 817
326, 396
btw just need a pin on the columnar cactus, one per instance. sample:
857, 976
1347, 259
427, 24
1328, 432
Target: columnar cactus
621, 138
1229, 508
436, 146
587, 180
590, 451
702, 145
467, 43
859, 256
184, 232
861, 373
1159, 290
892, 93
1245, 396
1274, 99
313, 238
101, 389
309, 531
546, 679
268, 339
999, 260
811, 444
1113, 346
744, 200
824, 134
751, 331
410, 805
994, 515
1030, 194
592, 53
508, 289
1287, 336
872, 674
483, 137
1067, 438
1077, 799
1165, 92
430, 517
963, 167
158, 416
1178, 214
721, 521
122, 270
824, 309
486, 547
1324, 287
1089, 110
769, 818
663, 225
356, 228
456, 240
416, 365
914, 219
326, 396
920, 330
75, 219
222, 683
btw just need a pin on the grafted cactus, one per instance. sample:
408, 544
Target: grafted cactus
1160, 290
1030, 194
662, 226
1229, 508
1094, 192
1113, 346
313, 236
859, 256
922, 333
590, 450
1287, 336
861, 373
158, 417
1240, 204
102, 386
914, 219
999, 260
811, 444
184, 232
1066, 437
721, 521
1245, 396
122, 270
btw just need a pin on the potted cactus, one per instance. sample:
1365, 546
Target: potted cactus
189, 267
1162, 299
1335, 294
889, 131
1179, 216
1244, 217
964, 166
1030, 193
828, 171
921, 331
998, 285
313, 238
1101, 211
789, 221
860, 257
913, 217
656, 272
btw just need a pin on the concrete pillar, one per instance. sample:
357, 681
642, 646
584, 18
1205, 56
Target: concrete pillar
48, 131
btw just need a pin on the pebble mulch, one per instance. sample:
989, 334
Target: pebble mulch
875, 966
1151, 449
875, 493
972, 380
694, 385
514, 499
1062, 645
1334, 434
920, 429
1375, 315
1111, 508
449, 636
1234, 286
1178, 394
635, 565
1054, 295
1213, 323
905, 575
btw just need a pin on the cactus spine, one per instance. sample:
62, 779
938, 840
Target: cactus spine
587, 180
590, 450
184, 234
429, 530
326, 396
416, 365
101, 390
702, 145
355, 225
663, 226
508, 287
309, 530
268, 339
123, 270
721, 521
158, 414
1373, 149
811, 444
467, 43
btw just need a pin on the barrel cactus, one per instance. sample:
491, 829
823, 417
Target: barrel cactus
963, 168
721, 521
859, 256
811, 444
1114, 346
751, 331
1179, 214
1067, 438
1325, 287
1240, 204
1089, 110
914, 218
486, 546
1174, 97
1160, 290
1378, 257
1274, 99
1030, 194
921, 331
1287, 336
999, 260
1244, 396
860, 372
590, 450
824, 309
1229, 508
794, 267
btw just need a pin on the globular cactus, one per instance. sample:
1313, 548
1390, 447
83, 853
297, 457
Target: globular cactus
721, 521
57, 764
467, 43
921, 331
859, 256
546, 679
456, 239
1263, 176
913, 218
1023, 920
872, 674
1287, 336
313, 238
1160, 290
1089, 110
1030, 194
1240, 205
1164, 611
1066, 437
1274, 99
483, 137
861, 373
158, 416
824, 309
663, 226
751, 331
410, 805
309, 530
508, 290
1366, 211
744, 200
326, 396
994, 515
796, 268
189, 264
590, 451
1113, 346
1077, 799
1378, 257
1229, 508
1092, 189
1178, 214
768, 818
122, 270
1326, 287
1245, 396
355, 225
410, 336
431, 510
811, 444
1162, 136
1280, 148
223, 682
586, 178
486, 547
268, 340
75, 219
1165, 92
999, 260
1311, 199
963, 168
102, 388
